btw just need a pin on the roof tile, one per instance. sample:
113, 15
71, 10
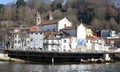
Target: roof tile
47, 22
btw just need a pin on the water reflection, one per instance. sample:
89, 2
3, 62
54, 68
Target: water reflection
14, 67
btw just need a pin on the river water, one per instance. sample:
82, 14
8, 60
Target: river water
17, 67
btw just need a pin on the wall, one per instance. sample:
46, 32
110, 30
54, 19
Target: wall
65, 44
36, 40
17, 41
52, 44
49, 27
81, 32
71, 32
63, 23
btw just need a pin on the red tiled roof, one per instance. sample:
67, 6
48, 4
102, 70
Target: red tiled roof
34, 28
13, 28
68, 28
49, 22
93, 37
51, 35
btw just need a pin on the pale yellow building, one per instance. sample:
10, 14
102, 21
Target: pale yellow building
89, 32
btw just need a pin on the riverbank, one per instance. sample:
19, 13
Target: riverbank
4, 57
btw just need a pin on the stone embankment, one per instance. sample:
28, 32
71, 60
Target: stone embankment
4, 57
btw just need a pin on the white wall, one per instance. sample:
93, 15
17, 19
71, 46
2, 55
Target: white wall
73, 42
65, 44
89, 44
17, 41
52, 45
99, 45
63, 22
36, 40
81, 32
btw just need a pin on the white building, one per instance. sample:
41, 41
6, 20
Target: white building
81, 31
99, 45
16, 39
54, 25
25, 39
52, 44
52, 41
65, 44
20, 38
64, 23
36, 40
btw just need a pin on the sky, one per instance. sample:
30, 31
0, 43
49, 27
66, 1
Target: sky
10, 1
7, 1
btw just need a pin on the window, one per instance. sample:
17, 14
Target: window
47, 29
40, 32
64, 41
38, 19
15, 35
28, 42
64, 50
64, 25
18, 41
64, 46
52, 46
31, 39
52, 50
31, 32
54, 29
15, 41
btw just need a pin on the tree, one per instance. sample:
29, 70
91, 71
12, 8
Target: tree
95, 24
56, 5
113, 24
1, 6
57, 14
20, 3
36, 4
110, 12
1, 11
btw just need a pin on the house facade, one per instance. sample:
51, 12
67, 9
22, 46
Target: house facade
81, 31
36, 40
20, 38
63, 23
52, 41
71, 31
54, 25
27, 40
16, 40
50, 25
65, 44
52, 44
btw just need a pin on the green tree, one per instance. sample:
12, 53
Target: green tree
20, 3
56, 5
1, 6
1, 11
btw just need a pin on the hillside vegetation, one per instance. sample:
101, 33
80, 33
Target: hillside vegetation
96, 14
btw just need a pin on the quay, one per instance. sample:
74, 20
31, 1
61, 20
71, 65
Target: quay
5, 57
57, 57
